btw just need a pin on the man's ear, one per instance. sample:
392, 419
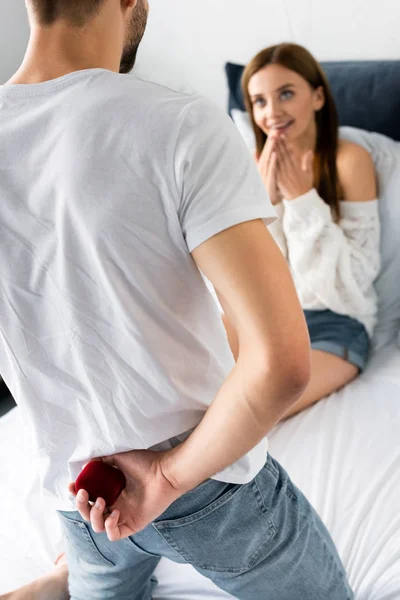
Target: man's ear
125, 4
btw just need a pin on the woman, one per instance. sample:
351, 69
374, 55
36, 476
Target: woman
325, 193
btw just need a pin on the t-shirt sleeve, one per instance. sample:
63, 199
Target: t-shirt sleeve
218, 181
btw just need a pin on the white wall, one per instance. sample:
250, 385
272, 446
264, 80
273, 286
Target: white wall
188, 41
14, 33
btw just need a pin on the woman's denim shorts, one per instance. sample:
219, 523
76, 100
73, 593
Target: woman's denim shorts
340, 335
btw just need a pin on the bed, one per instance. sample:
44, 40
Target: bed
344, 453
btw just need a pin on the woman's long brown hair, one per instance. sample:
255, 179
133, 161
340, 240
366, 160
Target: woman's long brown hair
298, 59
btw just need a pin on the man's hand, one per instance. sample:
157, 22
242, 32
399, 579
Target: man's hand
147, 495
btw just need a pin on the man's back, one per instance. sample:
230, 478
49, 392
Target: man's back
109, 336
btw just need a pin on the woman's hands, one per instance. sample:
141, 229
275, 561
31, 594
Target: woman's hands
147, 495
267, 165
286, 173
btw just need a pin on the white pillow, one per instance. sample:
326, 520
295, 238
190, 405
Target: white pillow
385, 153
243, 123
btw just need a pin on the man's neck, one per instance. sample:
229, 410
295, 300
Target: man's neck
59, 50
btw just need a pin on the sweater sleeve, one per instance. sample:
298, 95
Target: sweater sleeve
335, 263
276, 229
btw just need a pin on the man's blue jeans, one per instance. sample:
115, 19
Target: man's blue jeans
259, 541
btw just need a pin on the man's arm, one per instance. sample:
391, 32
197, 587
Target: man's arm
232, 336
258, 296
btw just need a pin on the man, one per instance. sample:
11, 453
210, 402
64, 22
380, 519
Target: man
116, 196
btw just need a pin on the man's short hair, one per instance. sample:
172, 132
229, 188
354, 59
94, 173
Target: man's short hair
76, 12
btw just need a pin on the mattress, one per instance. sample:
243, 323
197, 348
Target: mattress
344, 454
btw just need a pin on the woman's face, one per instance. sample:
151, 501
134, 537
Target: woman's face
282, 100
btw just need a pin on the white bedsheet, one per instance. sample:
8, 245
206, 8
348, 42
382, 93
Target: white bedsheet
344, 454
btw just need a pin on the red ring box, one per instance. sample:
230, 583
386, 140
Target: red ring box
101, 481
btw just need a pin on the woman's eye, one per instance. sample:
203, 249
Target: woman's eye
287, 95
259, 102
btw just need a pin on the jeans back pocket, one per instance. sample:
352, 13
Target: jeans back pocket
231, 534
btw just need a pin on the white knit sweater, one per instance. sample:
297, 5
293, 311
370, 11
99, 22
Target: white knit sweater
333, 265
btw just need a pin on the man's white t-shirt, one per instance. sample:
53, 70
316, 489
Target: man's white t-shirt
109, 337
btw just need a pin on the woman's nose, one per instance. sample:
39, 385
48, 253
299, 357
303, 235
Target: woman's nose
272, 110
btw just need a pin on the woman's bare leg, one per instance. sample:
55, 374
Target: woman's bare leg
53, 586
329, 373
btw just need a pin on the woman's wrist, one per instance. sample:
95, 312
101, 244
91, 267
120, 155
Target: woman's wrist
293, 195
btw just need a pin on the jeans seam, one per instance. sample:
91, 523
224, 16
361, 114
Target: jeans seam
264, 508
340, 570
271, 469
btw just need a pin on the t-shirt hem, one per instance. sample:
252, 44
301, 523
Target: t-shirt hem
223, 222
240, 473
